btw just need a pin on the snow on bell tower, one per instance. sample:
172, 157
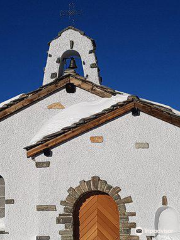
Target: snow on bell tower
69, 43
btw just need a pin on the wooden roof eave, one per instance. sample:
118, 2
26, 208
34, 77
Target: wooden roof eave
158, 113
80, 130
53, 88
141, 105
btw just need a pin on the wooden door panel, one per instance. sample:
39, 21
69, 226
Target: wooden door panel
99, 219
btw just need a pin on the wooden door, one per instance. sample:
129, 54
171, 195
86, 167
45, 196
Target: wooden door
99, 219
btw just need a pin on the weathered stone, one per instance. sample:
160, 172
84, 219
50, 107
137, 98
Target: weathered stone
125, 231
116, 197
68, 226
71, 44
130, 214
70, 199
42, 238
64, 219
122, 208
94, 182
79, 190
66, 232
96, 139
9, 201
2, 191
94, 65
101, 186
114, 191
68, 209
43, 164
141, 145
67, 204
53, 75
124, 200
88, 184
127, 200
108, 188
67, 238
73, 193
2, 181
46, 208
2, 201
83, 186
56, 106
2, 212
127, 225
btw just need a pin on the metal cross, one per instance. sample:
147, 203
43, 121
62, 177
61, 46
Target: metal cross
71, 13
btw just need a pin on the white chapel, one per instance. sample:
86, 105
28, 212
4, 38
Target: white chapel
81, 161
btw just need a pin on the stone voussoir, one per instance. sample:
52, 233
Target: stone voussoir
66, 232
108, 188
73, 193
88, 184
101, 186
83, 186
114, 191
95, 182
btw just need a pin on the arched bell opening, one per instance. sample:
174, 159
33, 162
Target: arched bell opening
65, 62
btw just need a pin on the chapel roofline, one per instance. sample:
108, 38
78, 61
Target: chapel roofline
132, 104
26, 100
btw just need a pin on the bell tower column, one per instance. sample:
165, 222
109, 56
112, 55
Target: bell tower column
72, 42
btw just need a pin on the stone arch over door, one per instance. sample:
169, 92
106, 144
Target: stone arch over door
95, 185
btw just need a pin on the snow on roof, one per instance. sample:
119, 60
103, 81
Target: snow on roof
74, 113
10, 100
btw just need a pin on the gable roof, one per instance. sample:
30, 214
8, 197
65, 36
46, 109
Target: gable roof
26, 100
96, 120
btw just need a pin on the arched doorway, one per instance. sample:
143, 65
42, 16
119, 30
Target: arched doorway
82, 194
96, 216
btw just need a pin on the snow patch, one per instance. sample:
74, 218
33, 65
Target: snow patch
9, 100
74, 113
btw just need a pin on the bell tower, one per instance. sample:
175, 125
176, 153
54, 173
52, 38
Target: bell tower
70, 43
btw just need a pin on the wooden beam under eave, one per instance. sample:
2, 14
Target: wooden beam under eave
79, 130
89, 87
33, 98
158, 113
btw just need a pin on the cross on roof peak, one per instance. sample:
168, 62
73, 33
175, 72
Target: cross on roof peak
71, 13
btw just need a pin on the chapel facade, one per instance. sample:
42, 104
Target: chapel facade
81, 161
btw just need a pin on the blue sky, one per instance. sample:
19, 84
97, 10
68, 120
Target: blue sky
138, 44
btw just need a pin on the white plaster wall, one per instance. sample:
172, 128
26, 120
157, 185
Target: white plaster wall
145, 174
20, 174
82, 45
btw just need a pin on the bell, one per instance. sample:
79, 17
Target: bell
72, 64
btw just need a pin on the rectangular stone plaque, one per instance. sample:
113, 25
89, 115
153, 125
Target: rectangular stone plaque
42, 164
42, 238
96, 139
141, 145
9, 201
46, 208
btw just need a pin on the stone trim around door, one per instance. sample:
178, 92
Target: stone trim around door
95, 184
